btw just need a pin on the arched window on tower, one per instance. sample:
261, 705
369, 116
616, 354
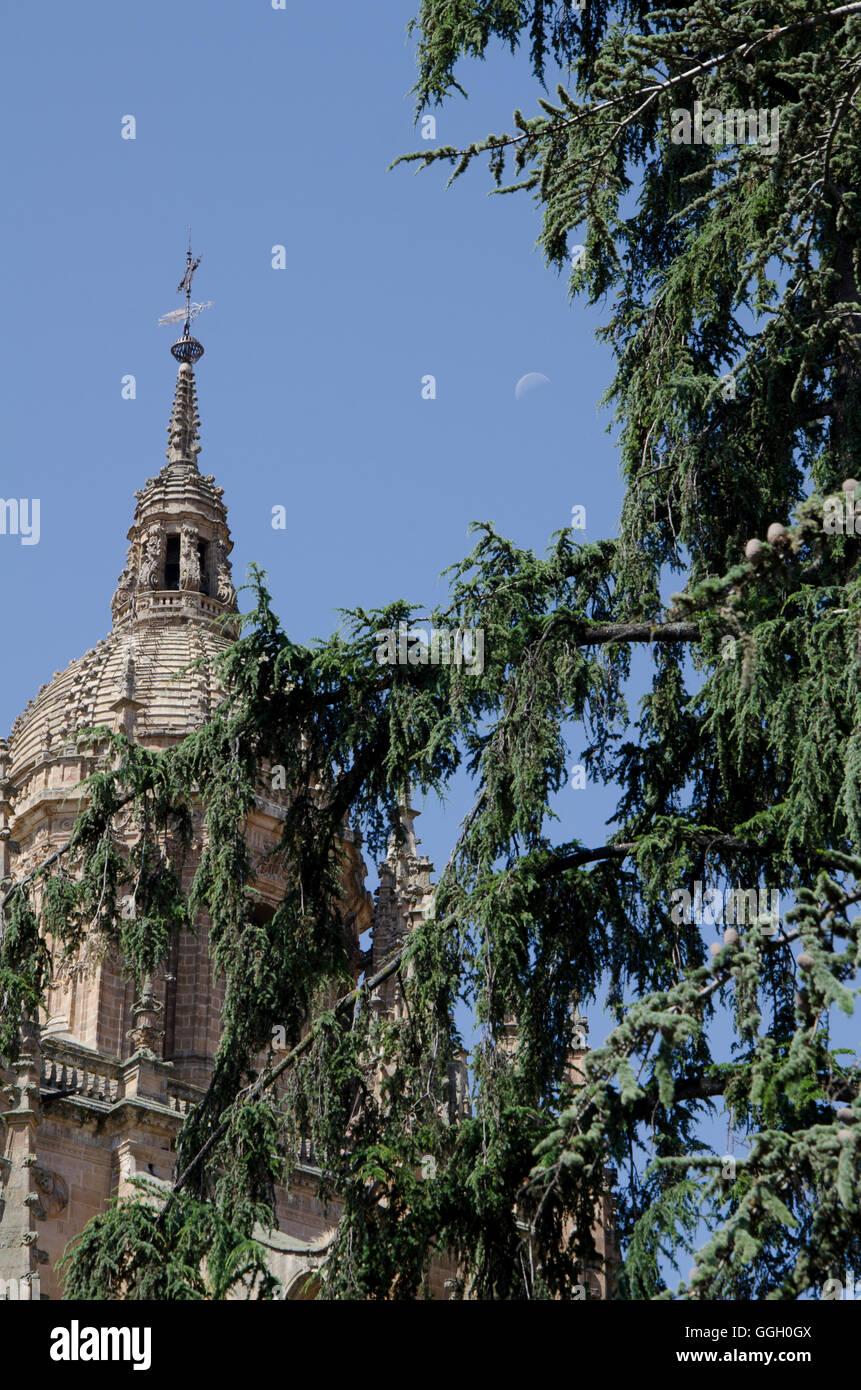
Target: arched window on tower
171, 565
203, 554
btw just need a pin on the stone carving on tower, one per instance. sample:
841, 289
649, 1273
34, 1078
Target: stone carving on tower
124, 593
152, 558
189, 560
225, 591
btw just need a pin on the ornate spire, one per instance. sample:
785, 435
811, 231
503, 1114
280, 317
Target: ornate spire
177, 565
184, 440
182, 432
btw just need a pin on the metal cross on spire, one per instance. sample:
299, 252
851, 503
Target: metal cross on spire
190, 267
186, 348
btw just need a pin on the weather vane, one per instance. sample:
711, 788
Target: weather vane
186, 348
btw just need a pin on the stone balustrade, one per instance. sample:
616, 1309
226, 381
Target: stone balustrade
76, 1071
65, 1069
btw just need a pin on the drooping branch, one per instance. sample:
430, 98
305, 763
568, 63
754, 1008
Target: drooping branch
705, 840
644, 95
600, 633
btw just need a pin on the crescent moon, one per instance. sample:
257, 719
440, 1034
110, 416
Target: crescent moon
529, 383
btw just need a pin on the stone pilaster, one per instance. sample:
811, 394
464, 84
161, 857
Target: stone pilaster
20, 1255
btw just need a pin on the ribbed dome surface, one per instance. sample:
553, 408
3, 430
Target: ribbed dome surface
87, 692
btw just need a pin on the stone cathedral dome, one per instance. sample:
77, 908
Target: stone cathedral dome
168, 612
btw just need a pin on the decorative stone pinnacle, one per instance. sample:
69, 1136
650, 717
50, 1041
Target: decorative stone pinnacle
128, 686
182, 432
145, 1036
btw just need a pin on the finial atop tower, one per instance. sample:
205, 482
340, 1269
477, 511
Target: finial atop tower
186, 348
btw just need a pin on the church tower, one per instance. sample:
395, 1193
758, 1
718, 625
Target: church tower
107, 1074
102, 1084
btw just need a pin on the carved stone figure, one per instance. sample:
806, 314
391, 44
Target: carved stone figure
189, 560
224, 590
125, 589
152, 562
226, 593
53, 1191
